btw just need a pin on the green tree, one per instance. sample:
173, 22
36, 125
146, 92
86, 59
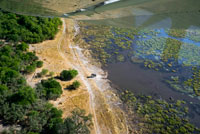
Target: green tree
24, 96
78, 123
23, 46
30, 69
76, 84
51, 89
39, 64
68, 74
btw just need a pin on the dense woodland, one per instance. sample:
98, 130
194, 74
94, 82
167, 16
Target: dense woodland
23, 109
28, 29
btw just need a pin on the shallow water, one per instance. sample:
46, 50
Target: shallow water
133, 77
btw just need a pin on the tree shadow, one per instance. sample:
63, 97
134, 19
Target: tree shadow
70, 88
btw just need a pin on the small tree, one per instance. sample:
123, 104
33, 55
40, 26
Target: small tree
78, 123
68, 74
24, 96
51, 74
51, 88
23, 46
76, 84
39, 64
44, 71
30, 68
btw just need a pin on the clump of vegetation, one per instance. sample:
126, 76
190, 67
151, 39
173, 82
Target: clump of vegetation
23, 46
171, 50
68, 74
120, 58
179, 33
76, 84
77, 123
39, 64
29, 29
107, 42
51, 74
158, 116
25, 95
43, 73
49, 89
194, 82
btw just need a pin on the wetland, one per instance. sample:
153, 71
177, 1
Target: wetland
160, 63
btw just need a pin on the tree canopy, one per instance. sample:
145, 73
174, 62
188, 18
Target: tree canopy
68, 74
29, 29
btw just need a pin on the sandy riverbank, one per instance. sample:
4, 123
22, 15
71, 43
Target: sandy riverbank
94, 95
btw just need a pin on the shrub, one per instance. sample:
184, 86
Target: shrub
51, 89
39, 64
30, 69
44, 71
76, 84
78, 123
24, 96
23, 46
51, 73
68, 74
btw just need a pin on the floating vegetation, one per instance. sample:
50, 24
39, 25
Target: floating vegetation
120, 58
176, 84
153, 65
190, 86
153, 46
178, 33
107, 43
194, 82
194, 34
171, 50
156, 116
189, 54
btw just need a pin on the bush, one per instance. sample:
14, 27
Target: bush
24, 96
30, 69
76, 84
39, 64
51, 89
51, 74
68, 74
23, 46
44, 71
78, 123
